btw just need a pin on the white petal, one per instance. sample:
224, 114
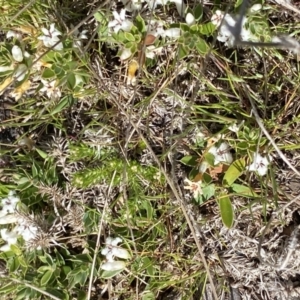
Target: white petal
121, 253
122, 14
173, 32
116, 241
8, 236
217, 17
113, 266
52, 28
17, 53
112, 23
234, 127
45, 31
59, 46
20, 72
26, 54
213, 150
116, 15
13, 34
262, 171
229, 20
8, 219
104, 251
203, 167
190, 19
126, 25
126, 53
109, 240
5, 247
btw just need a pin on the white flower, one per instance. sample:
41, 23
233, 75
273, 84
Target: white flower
50, 37
10, 237
155, 27
190, 19
259, 164
111, 250
17, 53
172, 33
120, 22
195, 187
113, 265
126, 53
13, 34
217, 18
79, 36
27, 231
221, 153
7, 218
50, 89
9, 204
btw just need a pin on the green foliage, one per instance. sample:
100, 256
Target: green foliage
113, 168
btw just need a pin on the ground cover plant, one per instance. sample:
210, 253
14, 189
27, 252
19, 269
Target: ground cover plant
149, 150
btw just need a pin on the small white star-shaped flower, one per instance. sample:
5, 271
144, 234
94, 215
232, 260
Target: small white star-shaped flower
120, 22
221, 153
112, 250
50, 37
195, 187
259, 164
50, 89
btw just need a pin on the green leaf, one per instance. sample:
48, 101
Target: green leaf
182, 51
42, 154
65, 102
189, 160
198, 12
234, 171
129, 37
140, 24
13, 265
243, 190
63, 295
6, 289
210, 158
46, 278
202, 47
48, 73
208, 191
226, 211
71, 81
207, 29
242, 145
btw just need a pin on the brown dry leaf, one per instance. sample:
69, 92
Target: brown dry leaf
132, 68
5, 84
31, 30
149, 39
20, 90
214, 171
